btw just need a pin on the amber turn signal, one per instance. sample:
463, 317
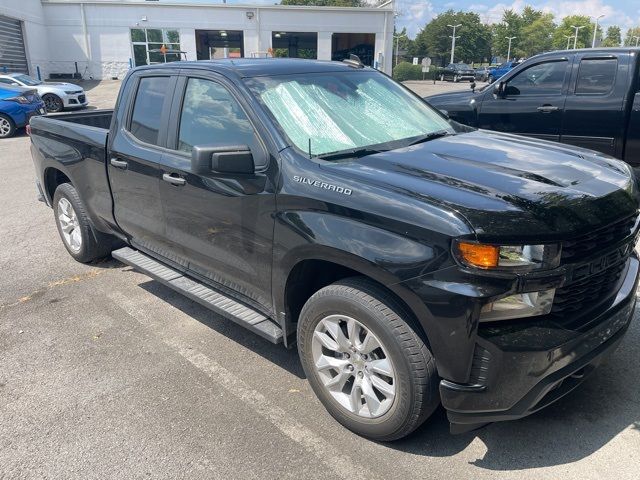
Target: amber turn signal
479, 255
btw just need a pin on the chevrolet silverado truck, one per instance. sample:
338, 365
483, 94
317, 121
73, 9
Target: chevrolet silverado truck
589, 98
322, 205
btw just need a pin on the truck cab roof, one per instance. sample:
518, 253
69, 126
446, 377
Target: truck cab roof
256, 67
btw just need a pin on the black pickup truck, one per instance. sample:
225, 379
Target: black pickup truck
323, 205
589, 98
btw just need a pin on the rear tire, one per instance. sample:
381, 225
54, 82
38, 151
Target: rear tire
82, 241
405, 392
7, 127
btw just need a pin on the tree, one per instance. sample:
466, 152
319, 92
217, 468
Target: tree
533, 30
565, 29
629, 40
325, 3
403, 43
474, 44
613, 37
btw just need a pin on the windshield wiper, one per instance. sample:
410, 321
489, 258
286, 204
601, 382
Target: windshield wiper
431, 136
351, 153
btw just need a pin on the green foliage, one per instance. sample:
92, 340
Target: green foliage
565, 29
474, 44
629, 41
613, 38
532, 28
325, 3
406, 71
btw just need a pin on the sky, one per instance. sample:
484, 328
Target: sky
414, 14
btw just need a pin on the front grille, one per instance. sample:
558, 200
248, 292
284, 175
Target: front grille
594, 242
582, 296
573, 304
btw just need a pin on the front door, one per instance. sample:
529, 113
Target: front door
134, 161
221, 223
531, 103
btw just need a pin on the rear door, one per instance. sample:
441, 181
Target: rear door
221, 223
594, 115
533, 101
632, 147
135, 154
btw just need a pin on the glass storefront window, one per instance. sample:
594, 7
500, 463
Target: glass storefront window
146, 41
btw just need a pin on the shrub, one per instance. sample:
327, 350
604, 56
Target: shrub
407, 71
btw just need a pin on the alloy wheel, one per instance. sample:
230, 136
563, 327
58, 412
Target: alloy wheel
5, 127
353, 366
69, 225
52, 103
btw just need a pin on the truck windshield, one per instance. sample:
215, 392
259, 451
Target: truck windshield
360, 112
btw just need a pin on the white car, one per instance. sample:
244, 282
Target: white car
56, 96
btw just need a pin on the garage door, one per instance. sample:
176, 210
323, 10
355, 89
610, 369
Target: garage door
12, 54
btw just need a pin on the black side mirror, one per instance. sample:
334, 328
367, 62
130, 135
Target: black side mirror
498, 90
222, 159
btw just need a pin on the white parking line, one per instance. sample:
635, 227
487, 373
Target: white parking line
342, 465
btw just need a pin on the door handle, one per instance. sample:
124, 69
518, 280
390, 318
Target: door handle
122, 164
173, 180
548, 109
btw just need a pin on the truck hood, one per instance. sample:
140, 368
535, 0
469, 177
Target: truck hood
458, 97
504, 185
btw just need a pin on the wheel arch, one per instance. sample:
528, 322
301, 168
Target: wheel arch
53, 178
325, 266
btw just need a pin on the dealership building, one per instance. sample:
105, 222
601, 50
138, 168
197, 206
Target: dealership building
105, 38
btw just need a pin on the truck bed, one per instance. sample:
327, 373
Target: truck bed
95, 118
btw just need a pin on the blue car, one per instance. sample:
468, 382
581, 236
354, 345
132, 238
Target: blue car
17, 106
502, 69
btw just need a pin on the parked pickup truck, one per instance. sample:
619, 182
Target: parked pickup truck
323, 205
589, 98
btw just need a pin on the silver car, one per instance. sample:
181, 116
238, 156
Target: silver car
56, 96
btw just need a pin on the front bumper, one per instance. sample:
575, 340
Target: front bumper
518, 371
75, 100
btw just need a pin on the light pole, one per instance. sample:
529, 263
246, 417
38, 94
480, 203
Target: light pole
397, 37
575, 39
509, 51
568, 37
595, 32
453, 39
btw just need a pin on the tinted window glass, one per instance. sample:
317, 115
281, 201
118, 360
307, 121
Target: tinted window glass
145, 120
597, 75
211, 116
541, 79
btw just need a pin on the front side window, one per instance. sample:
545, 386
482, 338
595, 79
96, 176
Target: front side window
330, 112
542, 79
212, 116
147, 109
596, 76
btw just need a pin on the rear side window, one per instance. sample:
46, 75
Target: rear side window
212, 116
147, 109
596, 76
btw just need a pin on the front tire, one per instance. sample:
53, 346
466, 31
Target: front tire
82, 241
366, 361
7, 127
52, 103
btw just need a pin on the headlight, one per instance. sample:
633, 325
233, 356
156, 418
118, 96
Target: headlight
518, 306
19, 99
507, 257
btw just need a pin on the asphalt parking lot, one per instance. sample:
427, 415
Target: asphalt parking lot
105, 373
